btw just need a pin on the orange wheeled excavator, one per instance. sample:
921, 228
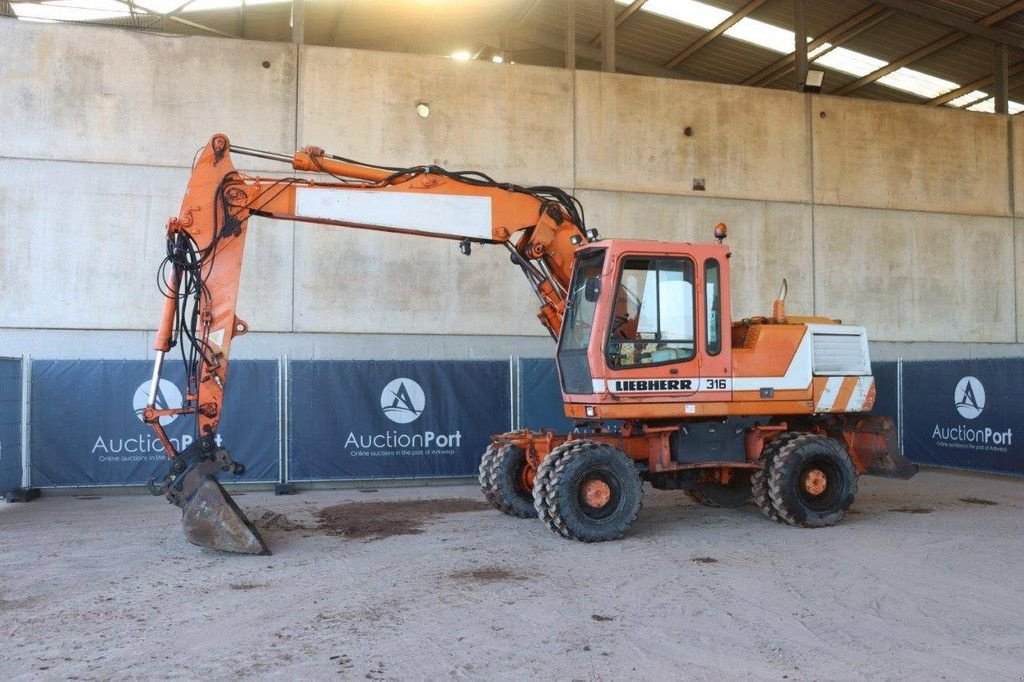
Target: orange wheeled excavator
662, 385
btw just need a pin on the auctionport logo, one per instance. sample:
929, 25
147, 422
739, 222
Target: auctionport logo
402, 400
168, 397
969, 401
969, 397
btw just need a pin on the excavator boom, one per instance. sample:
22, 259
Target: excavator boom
542, 227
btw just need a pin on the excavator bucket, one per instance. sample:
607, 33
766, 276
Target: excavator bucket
211, 519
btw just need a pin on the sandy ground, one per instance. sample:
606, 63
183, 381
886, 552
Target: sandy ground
107, 587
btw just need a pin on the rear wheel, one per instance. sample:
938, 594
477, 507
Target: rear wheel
735, 493
507, 478
812, 481
484, 475
759, 479
588, 491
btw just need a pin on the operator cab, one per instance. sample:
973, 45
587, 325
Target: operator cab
645, 322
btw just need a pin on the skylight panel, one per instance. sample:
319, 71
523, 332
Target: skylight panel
910, 80
70, 10
688, 12
780, 40
964, 100
848, 61
763, 35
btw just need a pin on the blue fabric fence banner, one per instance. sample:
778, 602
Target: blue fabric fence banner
87, 428
965, 414
352, 420
540, 396
10, 424
886, 390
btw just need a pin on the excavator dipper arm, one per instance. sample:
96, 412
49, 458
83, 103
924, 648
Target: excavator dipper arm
542, 227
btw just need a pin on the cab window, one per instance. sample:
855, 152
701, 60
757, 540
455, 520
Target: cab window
713, 305
653, 315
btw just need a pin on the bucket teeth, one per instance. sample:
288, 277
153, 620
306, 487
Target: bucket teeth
211, 519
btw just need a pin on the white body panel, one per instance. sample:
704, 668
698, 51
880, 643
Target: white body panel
441, 214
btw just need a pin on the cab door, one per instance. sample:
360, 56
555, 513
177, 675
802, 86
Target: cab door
651, 349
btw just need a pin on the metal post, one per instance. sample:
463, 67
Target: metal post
899, 403
570, 34
298, 21
1001, 78
608, 37
280, 422
287, 405
26, 416
513, 394
800, 42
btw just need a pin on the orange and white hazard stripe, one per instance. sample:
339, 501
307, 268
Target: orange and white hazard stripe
844, 394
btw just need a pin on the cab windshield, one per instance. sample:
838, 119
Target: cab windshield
579, 311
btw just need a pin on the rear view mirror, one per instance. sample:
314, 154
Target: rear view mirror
592, 289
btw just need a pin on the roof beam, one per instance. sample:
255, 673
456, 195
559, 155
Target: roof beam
800, 42
1001, 79
608, 36
556, 41
931, 48
714, 33
570, 34
983, 82
835, 36
623, 16
336, 24
953, 20
172, 16
527, 8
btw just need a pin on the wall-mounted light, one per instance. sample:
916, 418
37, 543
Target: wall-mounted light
813, 81
422, 109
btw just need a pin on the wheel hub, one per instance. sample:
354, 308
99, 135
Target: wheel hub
596, 493
814, 482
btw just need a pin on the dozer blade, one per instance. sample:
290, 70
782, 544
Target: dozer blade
211, 519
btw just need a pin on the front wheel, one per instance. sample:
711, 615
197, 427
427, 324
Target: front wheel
588, 491
811, 481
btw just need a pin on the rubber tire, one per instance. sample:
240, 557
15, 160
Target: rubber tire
759, 479
503, 480
784, 486
732, 496
556, 495
484, 475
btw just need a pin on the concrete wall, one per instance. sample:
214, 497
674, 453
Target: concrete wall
901, 218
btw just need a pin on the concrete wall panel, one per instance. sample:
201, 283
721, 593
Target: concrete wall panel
1017, 149
746, 143
769, 241
373, 282
884, 155
80, 245
916, 276
512, 122
93, 94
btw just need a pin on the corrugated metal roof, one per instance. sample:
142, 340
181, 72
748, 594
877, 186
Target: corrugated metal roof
649, 39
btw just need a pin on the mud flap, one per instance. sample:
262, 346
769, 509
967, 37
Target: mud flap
211, 519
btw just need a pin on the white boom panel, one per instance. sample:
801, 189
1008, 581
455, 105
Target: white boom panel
435, 214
